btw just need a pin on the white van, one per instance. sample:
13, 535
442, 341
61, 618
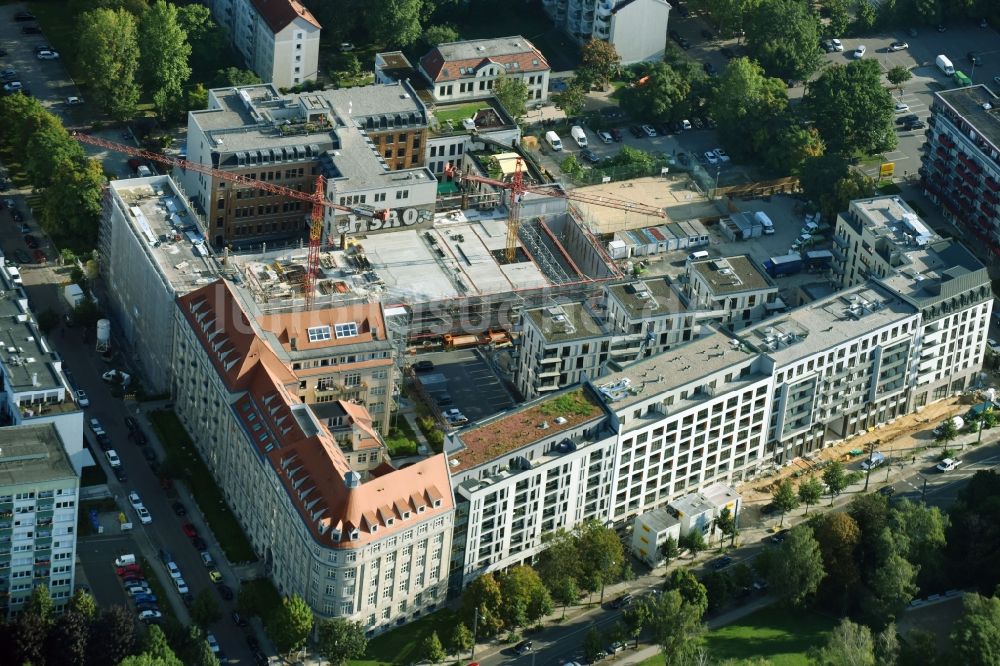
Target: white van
698, 256
579, 136
551, 138
765, 221
124, 560
944, 64
605, 136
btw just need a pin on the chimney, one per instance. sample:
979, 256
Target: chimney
34, 379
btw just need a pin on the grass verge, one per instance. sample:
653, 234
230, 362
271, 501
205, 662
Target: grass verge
783, 636
402, 646
184, 458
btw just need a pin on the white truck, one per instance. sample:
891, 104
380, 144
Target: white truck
74, 295
579, 136
944, 64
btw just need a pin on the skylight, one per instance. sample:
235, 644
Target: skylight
348, 330
320, 333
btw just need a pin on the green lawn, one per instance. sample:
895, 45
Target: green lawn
781, 635
457, 114
402, 441
185, 462
402, 646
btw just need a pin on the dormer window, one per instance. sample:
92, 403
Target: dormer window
319, 333
374, 529
389, 522
437, 503
355, 535
406, 515
420, 509
346, 330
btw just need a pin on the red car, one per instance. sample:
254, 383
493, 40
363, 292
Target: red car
40, 257
127, 569
190, 531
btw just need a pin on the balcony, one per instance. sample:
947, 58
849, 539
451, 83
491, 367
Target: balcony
604, 9
602, 32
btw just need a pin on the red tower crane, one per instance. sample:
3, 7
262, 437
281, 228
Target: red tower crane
518, 187
317, 198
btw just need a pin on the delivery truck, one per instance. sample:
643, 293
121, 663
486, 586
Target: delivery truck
944, 64
786, 264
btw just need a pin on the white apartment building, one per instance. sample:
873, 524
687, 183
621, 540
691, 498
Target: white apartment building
39, 490
646, 317
278, 39
560, 345
34, 388
636, 28
733, 289
468, 69
152, 251
372, 551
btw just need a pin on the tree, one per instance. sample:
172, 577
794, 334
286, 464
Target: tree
835, 478
110, 40
234, 76
157, 647
690, 588
828, 182
112, 637
461, 639
887, 646
796, 572
784, 500
593, 645
197, 96
725, 522
205, 609
669, 549
840, 18
440, 34
513, 94
851, 110
83, 602
976, 634
849, 644
431, 649
525, 599
693, 541
73, 209
676, 627
866, 17
917, 532
571, 100
51, 150
599, 63
946, 432
664, 95
165, 53
67, 642
810, 492
394, 21
891, 590
783, 36
565, 591
483, 596
838, 536
920, 649
871, 513
289, 625
745, 101
601, 555
636, 617
40, 605
204, 35
571, 166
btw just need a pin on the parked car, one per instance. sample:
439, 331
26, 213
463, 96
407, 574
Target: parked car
190, 531
179, 509
30, 241
138, 589
74, 101
144, 599
206, 558
198, 543
635, 131
905, 120
31, 30
144, 516
616, 134
993, 345
225, 592
711, 157
838, 46
898, 46
524, 647
148, 453
24, 16
134, 499
886, 491
173, 570
47, 55
150, 615
113, 458
127, 569
8, 75
423, 366
722, 562
120, 474
215, 575
10, 87
590, 156
709, 69
621, 602
82, 399
239, 620
117, 377
902, 107
39, 256
860, 51
722, 155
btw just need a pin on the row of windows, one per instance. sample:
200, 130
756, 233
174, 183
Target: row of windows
453, 149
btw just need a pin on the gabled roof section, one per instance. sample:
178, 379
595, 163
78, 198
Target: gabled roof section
279, 13
454, 60
328, 327
215, 315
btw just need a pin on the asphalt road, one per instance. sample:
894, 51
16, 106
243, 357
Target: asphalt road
165, 531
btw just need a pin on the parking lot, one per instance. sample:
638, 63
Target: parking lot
464, 381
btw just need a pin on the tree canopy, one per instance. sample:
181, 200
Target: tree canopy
111, 41
663, 96
512, 92
289, 625
783, 36
599, 63
165, 53
851, 109
394, 22
795, 574
784, 498
339, 640
976, 634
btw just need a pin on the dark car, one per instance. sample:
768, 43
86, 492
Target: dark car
616, 134
198, 543
31, 242
31, 30
974, 58
225, 592
621, 601
423, 366
252, 642
612, 112
39, 257
886, 491
24, 16
663, 128
683, 158
260, 659
43, 47
590, 156
239, 619
22, 256
635, 131
778, 537
722, 562
916, 125
179, 509
524, 647
906, 120
685, 44
140, 438
3, 52
709, 69
148, 453
166, 556
16, 215
131, 424
941, 28
146, 606
120, 474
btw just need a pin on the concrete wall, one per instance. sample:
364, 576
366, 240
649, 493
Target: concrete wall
639, 31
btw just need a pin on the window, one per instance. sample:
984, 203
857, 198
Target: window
348, 330
320, 333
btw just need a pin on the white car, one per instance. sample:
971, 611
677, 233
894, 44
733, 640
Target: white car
649, 130
901, 107
148, 615
138, 589
82, 399
47, 55
898, 46
721, 154
993, 345
837, 45
13, 86
95, 425
174, 570
686, 124
212, 643
181, 586
144, 516
134, 499
860, 51
711, 157
113, 458
74, 101
948, 464
117, 377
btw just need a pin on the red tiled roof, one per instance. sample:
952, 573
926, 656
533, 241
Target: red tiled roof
279, 13
437, 66
300, 449
289, 326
